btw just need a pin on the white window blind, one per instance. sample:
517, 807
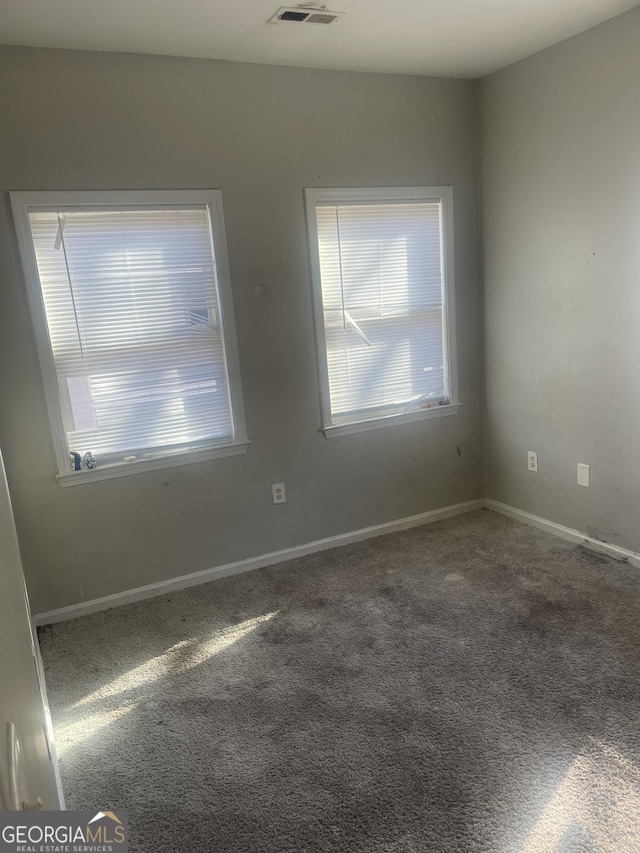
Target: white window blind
135, 326
382, 281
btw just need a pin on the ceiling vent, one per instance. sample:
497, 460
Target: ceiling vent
305, 15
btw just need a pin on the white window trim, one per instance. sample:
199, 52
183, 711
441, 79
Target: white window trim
22, 203
346, 195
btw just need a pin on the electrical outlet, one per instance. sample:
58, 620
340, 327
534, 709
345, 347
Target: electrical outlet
278, 493
584, 474
532, 460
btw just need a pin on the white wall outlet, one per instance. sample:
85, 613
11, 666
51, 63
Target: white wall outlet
532, 460
278, 493
584, 474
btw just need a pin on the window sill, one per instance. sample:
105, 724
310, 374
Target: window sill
391, 420
125, 469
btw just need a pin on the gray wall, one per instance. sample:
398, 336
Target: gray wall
74, 120
561, 190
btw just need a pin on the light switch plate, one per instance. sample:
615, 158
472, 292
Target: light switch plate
584, 474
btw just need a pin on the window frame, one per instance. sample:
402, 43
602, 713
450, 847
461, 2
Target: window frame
351, 195
24, 202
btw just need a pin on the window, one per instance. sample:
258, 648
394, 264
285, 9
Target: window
132, 309
382, 274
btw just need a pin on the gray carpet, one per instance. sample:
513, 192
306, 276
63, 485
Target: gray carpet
472, 685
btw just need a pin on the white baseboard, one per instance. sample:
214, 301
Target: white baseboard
567, 533
184, 581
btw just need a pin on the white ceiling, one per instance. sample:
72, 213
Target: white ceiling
459, 38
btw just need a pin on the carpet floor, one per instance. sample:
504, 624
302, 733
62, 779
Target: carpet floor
472, 686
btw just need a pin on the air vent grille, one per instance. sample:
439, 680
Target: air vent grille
293, 16
303, 15
321, 18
